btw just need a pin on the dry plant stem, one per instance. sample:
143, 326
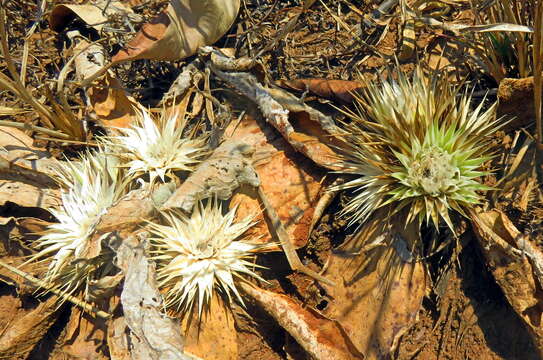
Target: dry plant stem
249, 86
84, 305
25, 126
537, 53
373, 49
15, 83
290, 252
325, 200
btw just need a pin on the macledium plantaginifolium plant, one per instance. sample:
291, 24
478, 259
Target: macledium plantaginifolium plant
201, 253
89, 187
416, 145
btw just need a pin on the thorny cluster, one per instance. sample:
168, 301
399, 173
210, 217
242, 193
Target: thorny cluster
195, 253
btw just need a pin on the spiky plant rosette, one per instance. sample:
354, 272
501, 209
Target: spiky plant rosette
416, 146
155, 147
202, 253
89, 187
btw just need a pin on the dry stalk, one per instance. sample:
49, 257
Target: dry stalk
26, 126
39, 283
538, 62
289, 250
55, 118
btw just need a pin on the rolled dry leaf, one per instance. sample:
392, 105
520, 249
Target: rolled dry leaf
180, 30
152, 334
312, 138
94, 14
322, 338
516, 265
24, 332
107, 101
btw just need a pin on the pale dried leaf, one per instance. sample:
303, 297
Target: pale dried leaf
95, 14
27, 195
108, 102
19, 156
180, 30
153, 336
226, 169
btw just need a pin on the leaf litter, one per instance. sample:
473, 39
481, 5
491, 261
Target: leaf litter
266, 97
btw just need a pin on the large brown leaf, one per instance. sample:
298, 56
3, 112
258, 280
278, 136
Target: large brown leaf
21, 335
339, 90
214, 337
291, 182
322, 338
85, 337
379, 289
180, 30
517, 265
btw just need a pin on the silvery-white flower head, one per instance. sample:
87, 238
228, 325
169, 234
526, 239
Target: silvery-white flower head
417, 145
155, 147
89, 187
200, 253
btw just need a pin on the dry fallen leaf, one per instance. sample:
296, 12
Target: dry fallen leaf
18, 156
84, 338
108, 102
517, 266
339, 90
28, 195
314, 139
94, 13
214, 337
516, 102
24, 332
322, 338
379, 289
180, 30
290, 181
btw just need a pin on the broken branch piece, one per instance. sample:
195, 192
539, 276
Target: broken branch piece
290, 252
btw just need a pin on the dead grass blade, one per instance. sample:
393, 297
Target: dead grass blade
39, 283
538, 65
55, 118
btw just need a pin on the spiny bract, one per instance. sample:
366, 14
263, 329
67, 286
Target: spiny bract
155, 148
196, 254
89, 187
415, 144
